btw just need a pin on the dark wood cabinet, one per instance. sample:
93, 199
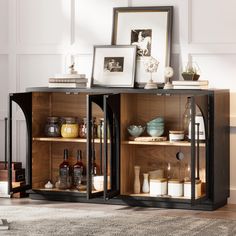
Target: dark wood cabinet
116, 154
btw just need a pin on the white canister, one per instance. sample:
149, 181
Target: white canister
175, 188
187, 189
158, 187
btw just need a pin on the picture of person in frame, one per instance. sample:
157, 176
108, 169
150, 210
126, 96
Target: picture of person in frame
113, 64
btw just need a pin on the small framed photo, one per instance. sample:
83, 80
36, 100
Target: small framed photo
114, 66
150, 29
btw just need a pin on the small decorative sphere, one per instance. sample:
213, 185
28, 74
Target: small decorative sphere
151, 65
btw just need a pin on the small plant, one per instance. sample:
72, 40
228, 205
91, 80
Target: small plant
191, 71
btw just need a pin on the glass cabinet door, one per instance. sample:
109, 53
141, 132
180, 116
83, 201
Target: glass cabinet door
199, 138
20, 173
103, 172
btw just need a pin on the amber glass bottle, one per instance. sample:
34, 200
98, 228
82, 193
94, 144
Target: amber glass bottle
65, 172
78, 170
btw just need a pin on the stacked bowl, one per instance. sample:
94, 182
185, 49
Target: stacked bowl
155, 127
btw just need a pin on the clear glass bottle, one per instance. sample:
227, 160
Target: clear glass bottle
100, 129
52, 127
187, 118
65, 172
78, 169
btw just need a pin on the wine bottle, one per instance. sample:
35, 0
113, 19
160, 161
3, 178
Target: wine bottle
78, 170
65, 172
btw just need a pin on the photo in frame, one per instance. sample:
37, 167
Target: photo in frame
150, 29
114, 66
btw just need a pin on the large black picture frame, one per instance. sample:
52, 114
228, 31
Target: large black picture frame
154, 24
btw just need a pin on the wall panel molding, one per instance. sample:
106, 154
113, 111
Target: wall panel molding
37, 22
214, 25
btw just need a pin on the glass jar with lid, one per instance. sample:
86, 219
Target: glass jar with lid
70, 127
52, 127
83, 128
100, 129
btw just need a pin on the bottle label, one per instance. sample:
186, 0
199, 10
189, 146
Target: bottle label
78, 176
64, 171
65, 181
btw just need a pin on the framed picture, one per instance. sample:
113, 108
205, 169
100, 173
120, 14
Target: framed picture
149, 28
114, 66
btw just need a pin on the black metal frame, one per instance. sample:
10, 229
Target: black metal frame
24, 100
110, 104
202, 101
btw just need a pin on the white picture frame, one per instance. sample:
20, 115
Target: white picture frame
113, 66
150, 29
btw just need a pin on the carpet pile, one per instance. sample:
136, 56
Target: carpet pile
44, 220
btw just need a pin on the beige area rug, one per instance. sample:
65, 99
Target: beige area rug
50, 220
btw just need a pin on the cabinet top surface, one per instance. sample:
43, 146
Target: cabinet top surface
125, 90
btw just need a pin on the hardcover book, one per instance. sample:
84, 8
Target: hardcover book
67, 85
191, 83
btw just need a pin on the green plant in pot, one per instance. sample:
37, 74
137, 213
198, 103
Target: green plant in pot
191, 71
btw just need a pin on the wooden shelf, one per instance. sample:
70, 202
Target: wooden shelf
165, 197
162, 143
83, 191
60, 139
60, 190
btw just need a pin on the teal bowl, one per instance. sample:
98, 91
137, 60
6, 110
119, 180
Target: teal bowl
136, 130
155, 125
154, 131
156, 120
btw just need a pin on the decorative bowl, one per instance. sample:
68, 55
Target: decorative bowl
156, 120
158, 125
136, 130
155, 131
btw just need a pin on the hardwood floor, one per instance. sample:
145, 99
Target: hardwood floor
226, 212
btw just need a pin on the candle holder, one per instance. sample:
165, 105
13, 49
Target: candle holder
151, 66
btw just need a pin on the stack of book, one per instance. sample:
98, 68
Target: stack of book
187, 84
68, 81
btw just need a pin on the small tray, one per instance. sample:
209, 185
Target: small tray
148, 139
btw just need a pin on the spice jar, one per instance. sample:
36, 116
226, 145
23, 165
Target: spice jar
187, 188
69, 128
158, 186
52, 128
83, 128
175, 187
100, 129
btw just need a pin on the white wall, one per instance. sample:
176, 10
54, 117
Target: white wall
36, 37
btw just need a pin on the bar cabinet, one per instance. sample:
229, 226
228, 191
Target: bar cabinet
202, 163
